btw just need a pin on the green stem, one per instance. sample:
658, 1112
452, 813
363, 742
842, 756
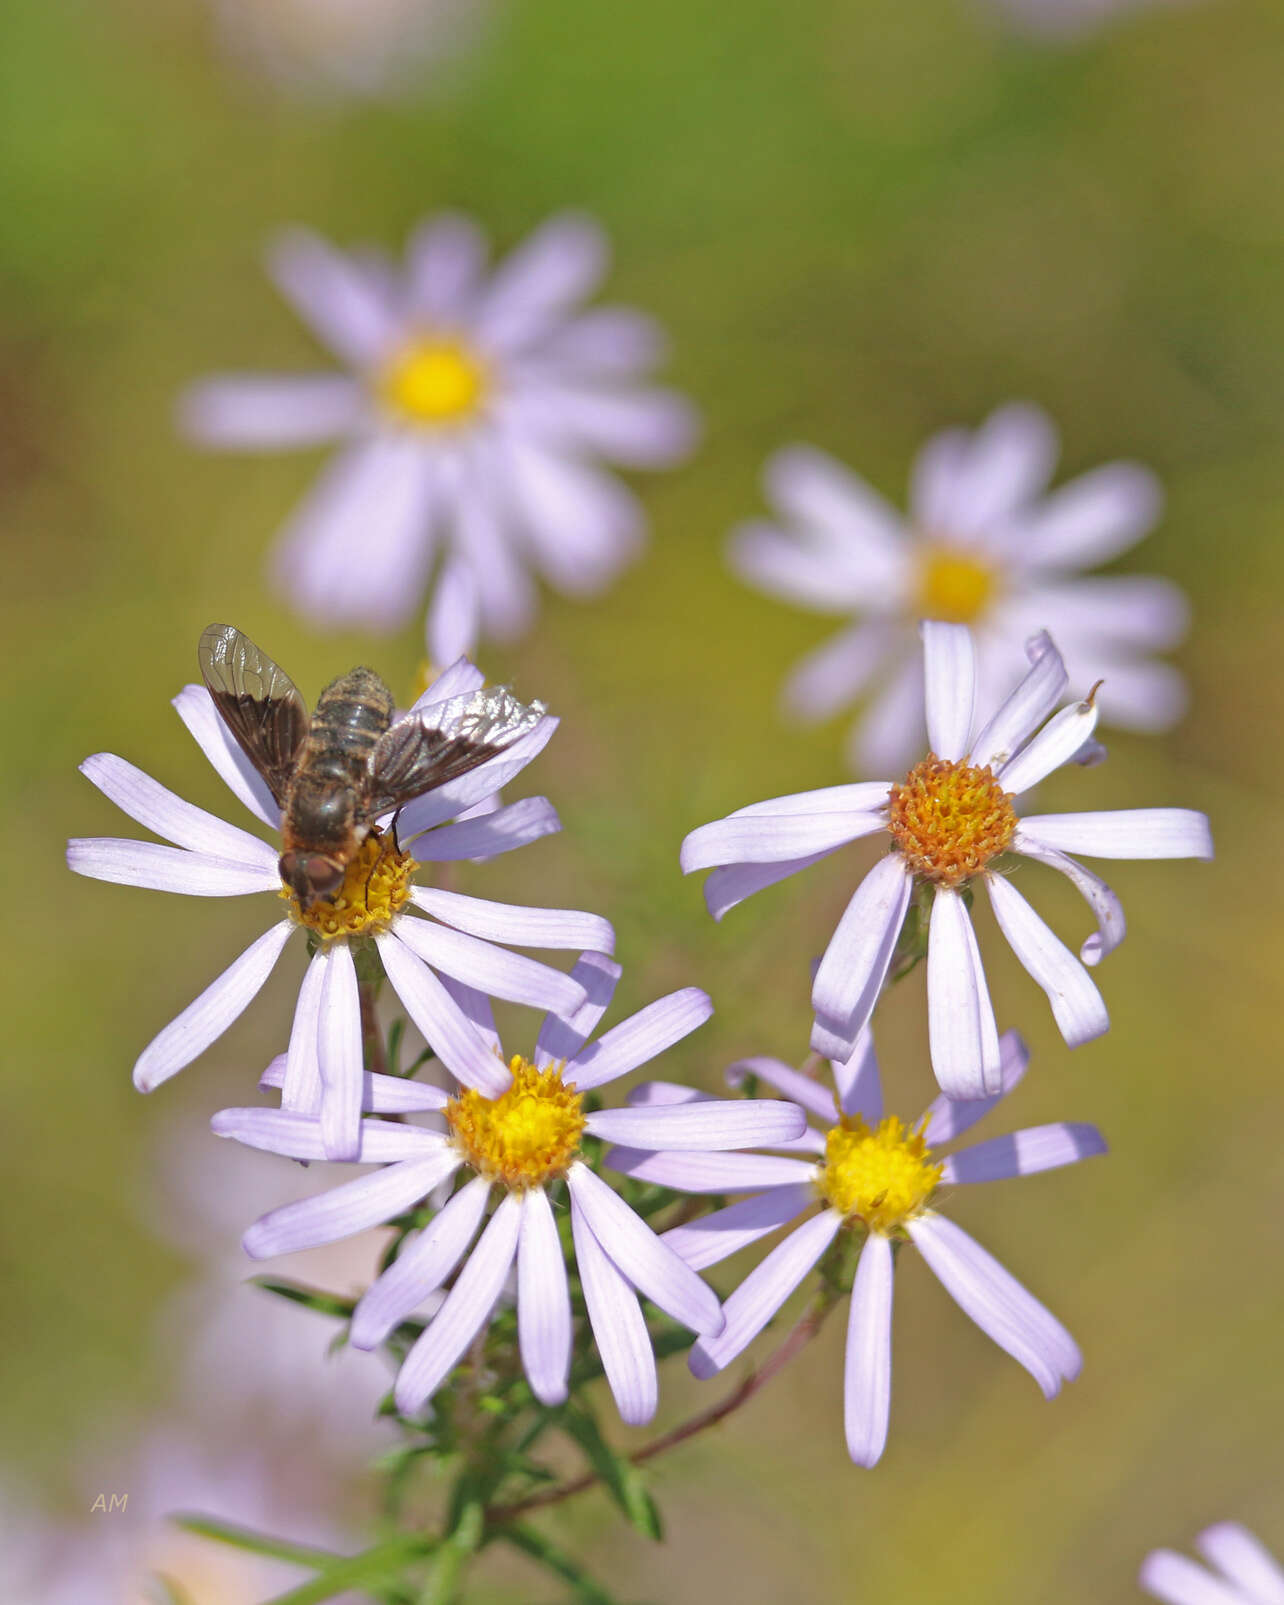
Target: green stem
798, 1339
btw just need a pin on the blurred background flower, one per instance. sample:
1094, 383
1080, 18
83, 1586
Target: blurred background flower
359, 48
860, 224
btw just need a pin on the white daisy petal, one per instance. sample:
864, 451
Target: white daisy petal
1009, 459
445, 259
152, 805
562, 1036
440, 1020
1122, 833
1056, 744
715, 1237
379, 497
491, 968
560, 263
356, 1206
802, 1089
339, 1054
963, 1036
854, 967
997, 1302
856, 1078
836, 673
892, 728
301, 1085
279, 1131
467, 1310
619, 1327
640, 1038
948, 1118
1077, 1005
422, 1266
837, 505
763, 1291
165, 869
264, 412
606, 342
1178, 1581
702, 1126
337, 298
867, 1384
520, 927
1026, 708
639, 1254
515, 825
206, 1019
711, 1172
197, 711
949, 673
868, 796
733, 884
1022, 1153
543, 1301
775, 561
1245, 1560
772, 838
1090, 520
1111, 926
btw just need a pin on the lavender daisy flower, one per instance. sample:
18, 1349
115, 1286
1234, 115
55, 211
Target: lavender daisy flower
436, 946
519, 1129
949, 821
877, 1176
1244, 1572
475, 415
983, 544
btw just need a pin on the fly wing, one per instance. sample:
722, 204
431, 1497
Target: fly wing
425, 750
259, 703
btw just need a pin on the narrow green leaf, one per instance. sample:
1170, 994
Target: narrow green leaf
311, 1297
223, 1532
378, 1567
623, 1479
585, 1588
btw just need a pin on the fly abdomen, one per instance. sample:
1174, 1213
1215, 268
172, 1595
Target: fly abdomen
350, 716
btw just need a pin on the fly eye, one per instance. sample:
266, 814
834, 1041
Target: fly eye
324, 876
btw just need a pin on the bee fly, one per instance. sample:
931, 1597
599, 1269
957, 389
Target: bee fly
334, 773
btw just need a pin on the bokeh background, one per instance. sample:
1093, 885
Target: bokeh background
859, 221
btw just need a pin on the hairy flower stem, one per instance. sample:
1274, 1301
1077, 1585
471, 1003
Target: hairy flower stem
808, 1325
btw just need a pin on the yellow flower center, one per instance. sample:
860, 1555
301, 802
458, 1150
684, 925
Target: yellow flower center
953, 585
434, 381
881, 1178
950, 819
526, 1136
376, 886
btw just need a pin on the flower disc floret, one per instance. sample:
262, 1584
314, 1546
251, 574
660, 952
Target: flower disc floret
376, 887
434, 381
882, 1177
954, 585
949, 819
528, 1135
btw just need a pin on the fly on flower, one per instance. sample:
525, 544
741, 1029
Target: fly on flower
334, 773
435, 946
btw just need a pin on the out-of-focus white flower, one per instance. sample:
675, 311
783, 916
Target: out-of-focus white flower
348, 48
1064, 19
476, 413
126, 1539
249, 1359
984, 544
1242, 1571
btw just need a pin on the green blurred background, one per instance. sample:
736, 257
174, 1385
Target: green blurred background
859, 222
